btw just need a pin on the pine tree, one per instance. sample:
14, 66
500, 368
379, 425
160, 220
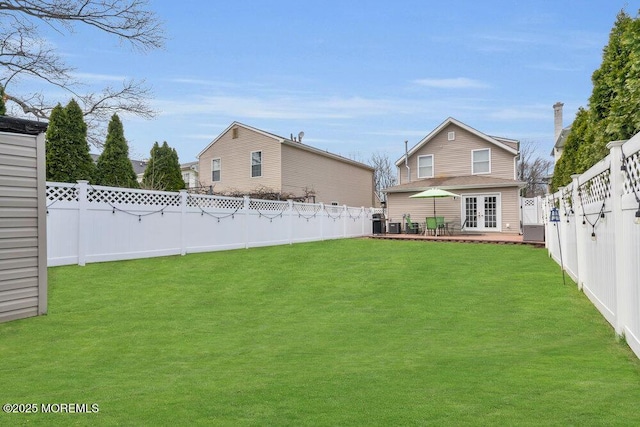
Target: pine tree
163, 169
68, 158
114, 167
3, 107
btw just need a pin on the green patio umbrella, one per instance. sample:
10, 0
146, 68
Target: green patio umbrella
434, 193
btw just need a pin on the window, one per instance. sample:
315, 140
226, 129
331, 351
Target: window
481, 161
185, 177
234, 133
425, 166
256, 164
215, 170
451, 136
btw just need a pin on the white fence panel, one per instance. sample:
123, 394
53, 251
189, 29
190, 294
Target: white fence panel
92, 223
599, 239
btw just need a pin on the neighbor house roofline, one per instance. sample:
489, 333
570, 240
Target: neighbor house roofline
497, 141
288, 142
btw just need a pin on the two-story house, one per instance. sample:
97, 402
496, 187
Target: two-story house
243, 158
480, 168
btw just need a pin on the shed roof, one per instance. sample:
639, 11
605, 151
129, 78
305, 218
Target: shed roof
24, 126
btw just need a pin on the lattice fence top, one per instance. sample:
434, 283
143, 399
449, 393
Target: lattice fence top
215, 202
62, 193
596, 189
306, 208
132, 197
632, 177
529, 202
268, 205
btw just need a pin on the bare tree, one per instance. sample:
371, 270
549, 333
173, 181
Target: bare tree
26, 54
533, 170
384, 174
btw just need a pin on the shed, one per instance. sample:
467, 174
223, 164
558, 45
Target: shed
23, 236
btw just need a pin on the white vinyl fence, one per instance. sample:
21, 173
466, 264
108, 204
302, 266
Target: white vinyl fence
598, 239
87, 223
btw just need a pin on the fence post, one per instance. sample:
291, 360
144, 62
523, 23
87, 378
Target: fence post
290, 221
183, 221
322, 212
82, 221
581, 242
345, 218
245, 212
617, 183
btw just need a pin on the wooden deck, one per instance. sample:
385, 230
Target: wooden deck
496, 238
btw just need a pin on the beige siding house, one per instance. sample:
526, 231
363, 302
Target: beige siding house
244, 159
457, 158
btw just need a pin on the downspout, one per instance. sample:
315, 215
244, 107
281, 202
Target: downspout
406, 160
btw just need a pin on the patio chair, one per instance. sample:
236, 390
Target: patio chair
412, 227
442, 226
431, 226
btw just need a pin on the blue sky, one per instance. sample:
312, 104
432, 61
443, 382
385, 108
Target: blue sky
356, 77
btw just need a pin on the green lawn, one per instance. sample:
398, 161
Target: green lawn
348, 332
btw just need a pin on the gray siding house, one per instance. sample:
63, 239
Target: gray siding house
23, 235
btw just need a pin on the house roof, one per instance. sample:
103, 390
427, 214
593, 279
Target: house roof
138, 165
289, 142
510, 145
454, 183
562, 138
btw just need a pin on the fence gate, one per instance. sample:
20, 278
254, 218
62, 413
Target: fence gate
532, 219
531, 211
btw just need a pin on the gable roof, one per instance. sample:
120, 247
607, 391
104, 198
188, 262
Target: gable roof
504, 143
287, 142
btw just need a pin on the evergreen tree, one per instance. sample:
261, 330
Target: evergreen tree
163, 169
3, 107
114, 167
67, 151
571, 161
612, 113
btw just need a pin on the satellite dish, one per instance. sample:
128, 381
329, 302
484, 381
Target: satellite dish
300, 135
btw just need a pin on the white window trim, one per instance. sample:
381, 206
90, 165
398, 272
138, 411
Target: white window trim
219, 170
251, 164
473, 172
433, 167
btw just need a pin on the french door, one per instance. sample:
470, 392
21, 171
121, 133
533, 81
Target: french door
481, 213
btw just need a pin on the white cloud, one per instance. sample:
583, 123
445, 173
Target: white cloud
93, 77
452, 83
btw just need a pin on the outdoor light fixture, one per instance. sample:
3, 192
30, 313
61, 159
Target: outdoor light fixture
554, 215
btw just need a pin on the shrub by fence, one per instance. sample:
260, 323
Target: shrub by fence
87, 223
597, 238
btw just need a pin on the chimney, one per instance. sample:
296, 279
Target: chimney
557, 120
